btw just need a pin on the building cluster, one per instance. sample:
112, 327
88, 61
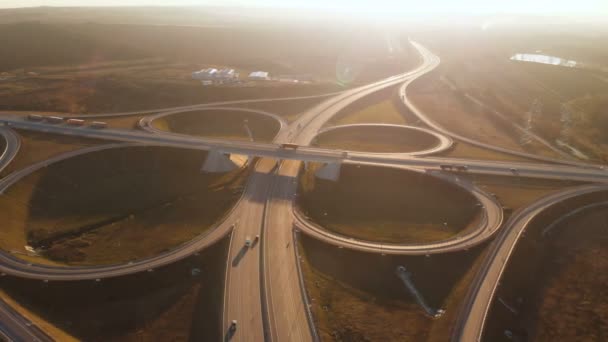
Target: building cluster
213, 75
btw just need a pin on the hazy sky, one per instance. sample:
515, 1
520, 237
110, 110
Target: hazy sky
579, 7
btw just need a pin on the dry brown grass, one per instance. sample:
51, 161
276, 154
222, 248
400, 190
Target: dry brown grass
116, 205
549, 279
36, 147
222, 124
167, 304
388, 205
376, 139
369, 303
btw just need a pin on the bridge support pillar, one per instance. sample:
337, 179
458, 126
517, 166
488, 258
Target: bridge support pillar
217, 162
330, 171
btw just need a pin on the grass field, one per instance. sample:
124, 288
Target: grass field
378, 107
376, 139
369, 303
36, 147
516, 193
94, 67
478, 64
222, 124
387, 205
467, 151
168, 304
115, 206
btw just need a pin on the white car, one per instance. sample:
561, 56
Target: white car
247, 242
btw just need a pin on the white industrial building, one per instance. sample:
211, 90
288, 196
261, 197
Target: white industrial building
216, 76
259, 76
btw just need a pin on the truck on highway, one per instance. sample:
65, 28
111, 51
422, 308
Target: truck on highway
289, 146
54, 119
35, 117
99, 124
75, 122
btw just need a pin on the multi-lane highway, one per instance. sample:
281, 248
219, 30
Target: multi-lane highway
263, 289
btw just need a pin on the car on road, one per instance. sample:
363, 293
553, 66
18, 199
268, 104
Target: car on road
248, 242
233, 325
54, 119
98, 124
35, 117
75, 122
513, 170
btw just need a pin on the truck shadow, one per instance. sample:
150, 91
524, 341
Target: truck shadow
239, 256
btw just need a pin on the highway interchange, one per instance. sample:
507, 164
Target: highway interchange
263, 288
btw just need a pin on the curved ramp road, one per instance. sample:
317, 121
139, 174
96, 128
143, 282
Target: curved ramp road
481, 293
13, 144
492, 216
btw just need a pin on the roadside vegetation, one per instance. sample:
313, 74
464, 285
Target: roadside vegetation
387, 205
180, 302
115, 206
376, 139
221, 124
553, 282
370, 303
